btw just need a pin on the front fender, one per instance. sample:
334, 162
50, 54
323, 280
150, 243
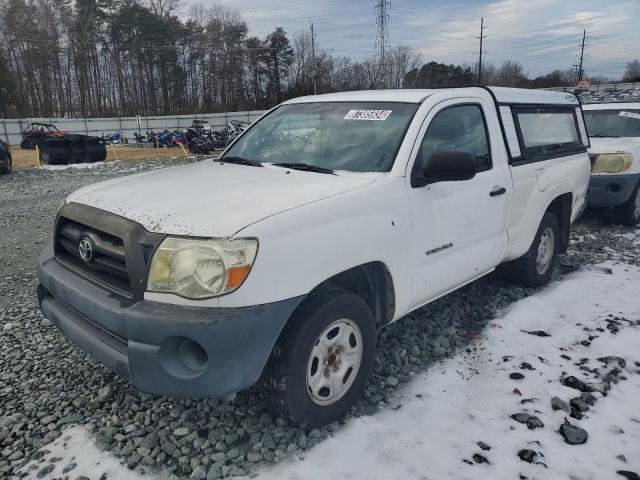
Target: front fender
303, 247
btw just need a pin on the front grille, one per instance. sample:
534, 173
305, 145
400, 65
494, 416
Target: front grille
121, 248
108, 263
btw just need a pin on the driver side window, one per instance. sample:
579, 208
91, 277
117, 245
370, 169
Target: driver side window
460, 128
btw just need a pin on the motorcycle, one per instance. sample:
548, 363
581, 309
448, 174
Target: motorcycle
115, 138
234, 129
163, 139
178, 138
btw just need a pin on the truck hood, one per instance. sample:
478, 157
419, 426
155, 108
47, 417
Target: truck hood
615, 145
210, 199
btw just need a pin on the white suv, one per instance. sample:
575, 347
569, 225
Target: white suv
327, 219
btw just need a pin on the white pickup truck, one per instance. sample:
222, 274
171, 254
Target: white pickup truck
614, 130
327, 219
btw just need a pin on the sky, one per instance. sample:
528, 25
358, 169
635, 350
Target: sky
542, 35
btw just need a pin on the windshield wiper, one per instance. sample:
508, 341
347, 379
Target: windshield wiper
240, 161
304, 167
604, 136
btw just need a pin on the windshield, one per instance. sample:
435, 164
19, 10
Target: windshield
613, 123
355, 136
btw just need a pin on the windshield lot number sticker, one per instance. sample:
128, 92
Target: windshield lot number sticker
621, 114
367, 114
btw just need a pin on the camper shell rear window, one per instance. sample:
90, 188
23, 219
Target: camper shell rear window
546, 132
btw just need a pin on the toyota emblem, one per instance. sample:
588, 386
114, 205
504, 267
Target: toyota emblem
85, 248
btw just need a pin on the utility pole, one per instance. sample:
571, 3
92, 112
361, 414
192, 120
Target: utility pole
382, 41
482, 27
313, 59
580, 71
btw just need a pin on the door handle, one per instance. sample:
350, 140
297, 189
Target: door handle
498, 191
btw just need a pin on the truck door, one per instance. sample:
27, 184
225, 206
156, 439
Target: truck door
458, 227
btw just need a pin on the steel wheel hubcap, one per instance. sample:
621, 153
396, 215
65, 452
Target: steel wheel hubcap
334, 362
545, 250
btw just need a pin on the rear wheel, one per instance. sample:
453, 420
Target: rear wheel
629, 212
322, 360
535, 267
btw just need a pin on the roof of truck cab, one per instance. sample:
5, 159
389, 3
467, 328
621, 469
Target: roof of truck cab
502, 95
612, 106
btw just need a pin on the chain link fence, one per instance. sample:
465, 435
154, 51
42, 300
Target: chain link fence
11, 129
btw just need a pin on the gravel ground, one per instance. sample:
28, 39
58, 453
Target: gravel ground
47, 384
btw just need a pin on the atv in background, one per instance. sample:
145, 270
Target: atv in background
58, 147
6, 164
36, 132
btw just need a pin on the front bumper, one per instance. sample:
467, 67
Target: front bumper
165, 349
611, 190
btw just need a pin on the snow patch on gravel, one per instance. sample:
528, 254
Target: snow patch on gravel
76, 446
78, 166
441, 415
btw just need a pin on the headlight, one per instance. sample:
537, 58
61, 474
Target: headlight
194, 268
612, 162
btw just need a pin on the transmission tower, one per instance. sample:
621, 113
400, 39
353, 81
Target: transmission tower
382, 43
481, 53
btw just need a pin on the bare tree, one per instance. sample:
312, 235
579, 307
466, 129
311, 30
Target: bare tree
510, 74
632, 72
403, 59
163, 8
128, 57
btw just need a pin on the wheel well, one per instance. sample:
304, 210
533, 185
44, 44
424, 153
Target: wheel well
561, 208
373, 283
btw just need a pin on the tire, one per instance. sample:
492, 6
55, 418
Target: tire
536, 266
629, 212
125, 141
297, 359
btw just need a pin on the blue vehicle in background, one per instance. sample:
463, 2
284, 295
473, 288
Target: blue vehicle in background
115, 138
6, 163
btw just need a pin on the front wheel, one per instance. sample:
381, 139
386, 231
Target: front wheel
535, 267
322, 360
629, 212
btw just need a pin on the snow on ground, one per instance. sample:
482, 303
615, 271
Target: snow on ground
441, 415
434, 425
75, 446
117, 164
78, 166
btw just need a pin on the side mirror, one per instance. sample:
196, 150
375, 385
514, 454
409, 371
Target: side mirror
448, 166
